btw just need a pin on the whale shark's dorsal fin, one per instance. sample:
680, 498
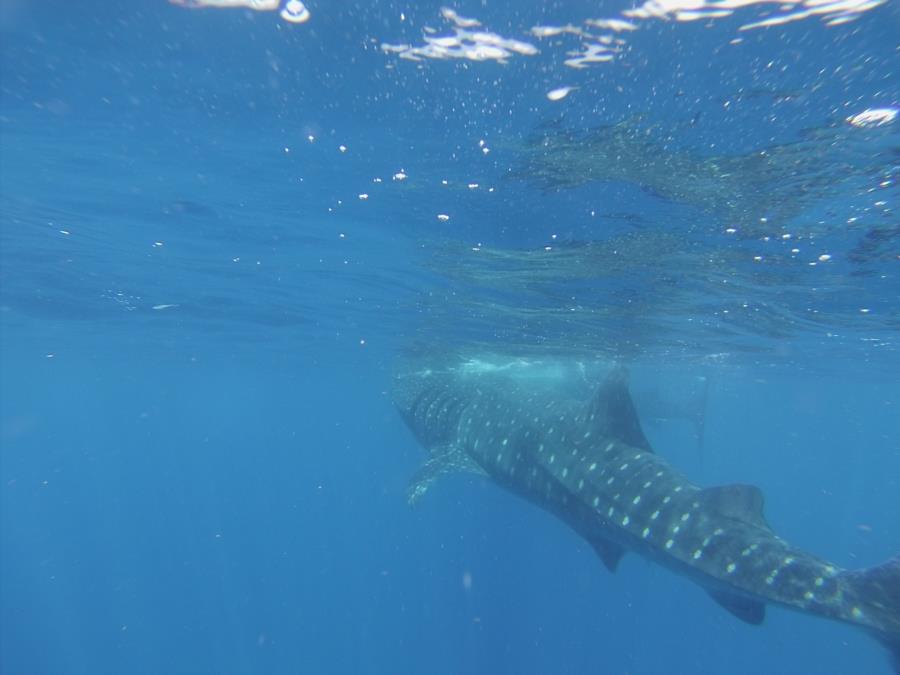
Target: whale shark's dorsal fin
741, 502
611, 412
442, 459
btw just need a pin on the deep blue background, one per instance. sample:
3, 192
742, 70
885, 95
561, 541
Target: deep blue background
219, 487
245, 513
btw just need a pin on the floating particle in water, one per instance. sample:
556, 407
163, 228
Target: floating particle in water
873, 117
560, 93
295, 11
461, 21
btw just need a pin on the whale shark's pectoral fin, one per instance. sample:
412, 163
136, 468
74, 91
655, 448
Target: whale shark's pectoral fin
748, 611
609, 552
611, 412
443, 459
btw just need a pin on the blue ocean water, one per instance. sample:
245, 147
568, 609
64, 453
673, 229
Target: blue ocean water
221, 231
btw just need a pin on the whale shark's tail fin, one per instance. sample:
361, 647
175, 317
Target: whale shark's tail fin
877, 590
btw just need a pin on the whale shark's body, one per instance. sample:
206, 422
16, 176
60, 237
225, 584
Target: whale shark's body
589, 463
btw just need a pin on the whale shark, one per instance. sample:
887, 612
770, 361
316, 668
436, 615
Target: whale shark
539, 430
